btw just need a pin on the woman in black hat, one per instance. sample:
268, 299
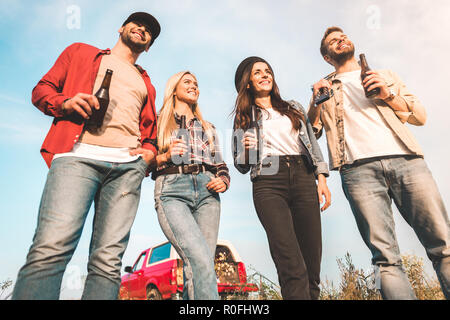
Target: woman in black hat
274, 140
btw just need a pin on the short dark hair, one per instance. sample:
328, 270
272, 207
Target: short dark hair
323, 46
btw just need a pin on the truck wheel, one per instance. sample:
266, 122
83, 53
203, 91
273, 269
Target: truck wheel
153, 294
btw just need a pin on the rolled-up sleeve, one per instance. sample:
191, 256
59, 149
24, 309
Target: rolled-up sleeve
417, 114
47, 95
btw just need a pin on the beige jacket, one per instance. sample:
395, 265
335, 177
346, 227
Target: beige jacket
332, 118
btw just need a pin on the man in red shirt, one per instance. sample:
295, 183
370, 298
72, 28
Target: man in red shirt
104, 165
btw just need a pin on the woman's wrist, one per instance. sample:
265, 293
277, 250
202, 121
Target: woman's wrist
162, 158
166, 157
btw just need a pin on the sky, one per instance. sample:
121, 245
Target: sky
210, 38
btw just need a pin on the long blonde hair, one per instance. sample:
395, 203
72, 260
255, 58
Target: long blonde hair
166, 120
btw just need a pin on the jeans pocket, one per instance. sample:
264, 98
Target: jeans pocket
170, 178
345, 169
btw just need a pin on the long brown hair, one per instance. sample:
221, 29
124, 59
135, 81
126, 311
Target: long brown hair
246, 99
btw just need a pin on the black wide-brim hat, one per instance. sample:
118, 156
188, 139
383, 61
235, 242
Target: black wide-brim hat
246, 63
148, 20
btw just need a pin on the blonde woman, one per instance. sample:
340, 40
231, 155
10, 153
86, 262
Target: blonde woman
190, 174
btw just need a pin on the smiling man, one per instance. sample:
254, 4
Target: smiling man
379, 160
104, 165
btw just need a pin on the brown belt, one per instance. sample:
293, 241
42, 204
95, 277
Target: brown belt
187, 169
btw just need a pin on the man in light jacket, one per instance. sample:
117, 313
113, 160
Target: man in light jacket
379, 160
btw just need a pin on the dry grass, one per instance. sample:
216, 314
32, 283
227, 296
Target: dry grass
425, 287
4, 287
357, 284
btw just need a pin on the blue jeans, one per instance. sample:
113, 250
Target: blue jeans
72, 185
370, 186
189, 217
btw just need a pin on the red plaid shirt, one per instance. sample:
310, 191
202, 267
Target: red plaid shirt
75, 71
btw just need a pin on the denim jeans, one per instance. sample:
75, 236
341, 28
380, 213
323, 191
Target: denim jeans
72, 185
370, 186
189, 217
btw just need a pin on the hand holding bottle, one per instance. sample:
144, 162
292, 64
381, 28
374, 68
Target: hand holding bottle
374, 80
176, 149
321, 91
82, 104
249, 141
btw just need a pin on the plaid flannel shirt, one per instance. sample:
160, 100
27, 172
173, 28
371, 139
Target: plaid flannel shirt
199, 150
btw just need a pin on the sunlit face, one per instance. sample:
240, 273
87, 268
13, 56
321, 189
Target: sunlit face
339, 47
261, 79
136, 35
187, 89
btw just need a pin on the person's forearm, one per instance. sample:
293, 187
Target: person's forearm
321, 177
314, 115
398, 104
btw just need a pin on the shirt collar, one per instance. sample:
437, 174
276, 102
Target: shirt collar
178, 119
108, 51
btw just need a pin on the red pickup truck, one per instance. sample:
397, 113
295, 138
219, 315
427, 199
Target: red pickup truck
158, 274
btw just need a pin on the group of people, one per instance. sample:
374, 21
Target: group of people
276, 140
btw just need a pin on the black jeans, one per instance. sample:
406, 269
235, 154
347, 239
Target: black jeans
287, 205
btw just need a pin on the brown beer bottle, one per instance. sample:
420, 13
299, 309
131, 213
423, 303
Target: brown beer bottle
183, 122
102, 94
184, 135
254, 128
364, 68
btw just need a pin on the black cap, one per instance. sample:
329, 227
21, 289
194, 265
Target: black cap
246, 63
148, 20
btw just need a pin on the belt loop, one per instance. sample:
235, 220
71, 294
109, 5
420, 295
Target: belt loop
180, 169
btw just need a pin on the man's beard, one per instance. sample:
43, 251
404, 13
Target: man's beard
134, 46
341, 58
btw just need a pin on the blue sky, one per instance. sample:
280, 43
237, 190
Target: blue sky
210, 38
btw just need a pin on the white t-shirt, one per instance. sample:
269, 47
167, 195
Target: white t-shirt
279, 136
90, 151
366, 132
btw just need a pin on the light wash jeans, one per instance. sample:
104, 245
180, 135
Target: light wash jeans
72, 185
189, 217
370, 185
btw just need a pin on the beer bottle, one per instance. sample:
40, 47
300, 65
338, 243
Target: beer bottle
183, 122
102, 94
254, 128
322, 96
364, 68
324, 93
185, 136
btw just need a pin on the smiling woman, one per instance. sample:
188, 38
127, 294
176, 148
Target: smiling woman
190, 174
286, 198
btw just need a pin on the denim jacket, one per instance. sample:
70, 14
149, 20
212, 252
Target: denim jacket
269, 165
